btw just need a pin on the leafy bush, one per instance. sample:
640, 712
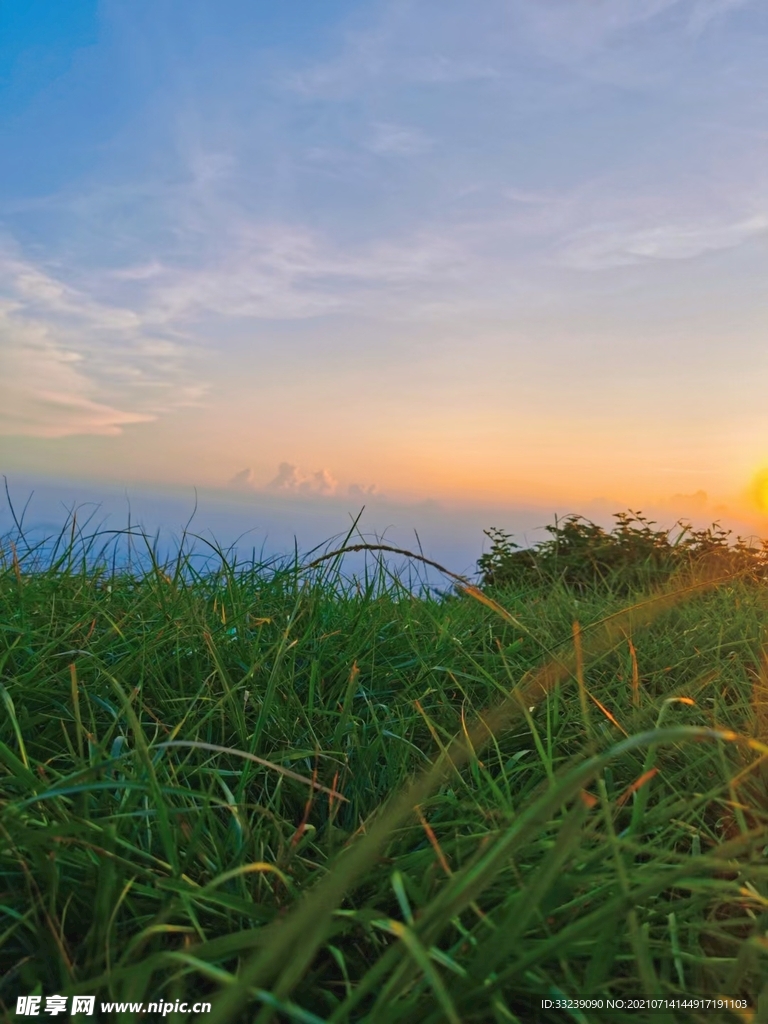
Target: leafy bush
632, 556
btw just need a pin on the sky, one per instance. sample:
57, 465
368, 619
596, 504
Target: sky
414, 254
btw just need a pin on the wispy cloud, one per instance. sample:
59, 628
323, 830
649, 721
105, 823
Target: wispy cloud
44, 393
206, 247
272, 271
706, 11
574, 29
368, 56
34, 290
398, 140
614, 245
443, 42
70, 364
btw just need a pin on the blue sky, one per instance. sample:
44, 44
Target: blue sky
509, 253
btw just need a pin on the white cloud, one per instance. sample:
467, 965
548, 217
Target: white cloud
244, 480
208, 241
367, 57
398, 140
36, 290
293, 480
575, 29
528, 197
44, 394
356, 491
685, 503
70, 364
142, 272
447, 42
290, 478
273, 271
613, 245
706, 11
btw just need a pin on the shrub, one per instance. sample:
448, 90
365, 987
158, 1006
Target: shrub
632, 556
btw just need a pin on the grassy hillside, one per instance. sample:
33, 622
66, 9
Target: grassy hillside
312, 801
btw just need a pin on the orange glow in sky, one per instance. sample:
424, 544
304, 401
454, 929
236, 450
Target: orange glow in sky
759, 489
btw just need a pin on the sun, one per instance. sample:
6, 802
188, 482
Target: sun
759, 489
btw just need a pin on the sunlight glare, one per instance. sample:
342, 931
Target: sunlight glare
760, 489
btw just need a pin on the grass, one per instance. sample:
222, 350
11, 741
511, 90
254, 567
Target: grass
315, 800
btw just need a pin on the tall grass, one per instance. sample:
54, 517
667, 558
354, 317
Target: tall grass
309, 799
